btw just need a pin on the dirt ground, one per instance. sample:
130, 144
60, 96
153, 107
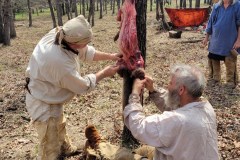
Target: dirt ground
102, 107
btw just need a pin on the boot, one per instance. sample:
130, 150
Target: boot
231, 70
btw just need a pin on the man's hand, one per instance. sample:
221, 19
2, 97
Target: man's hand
149, 83
108, 71
205, 41
236, 44
138, 86
116, 56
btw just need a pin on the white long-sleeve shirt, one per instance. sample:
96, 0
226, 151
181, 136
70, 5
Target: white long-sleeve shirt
55, 77
187, 133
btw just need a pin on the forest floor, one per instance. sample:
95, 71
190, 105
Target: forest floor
102, 107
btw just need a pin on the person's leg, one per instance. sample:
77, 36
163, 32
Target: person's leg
216, 70
67, 148
49, 147
231, 70
146, 151
210, 69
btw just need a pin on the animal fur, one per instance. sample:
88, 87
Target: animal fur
93, 137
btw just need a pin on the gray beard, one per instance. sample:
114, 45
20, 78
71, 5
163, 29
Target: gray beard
173, 100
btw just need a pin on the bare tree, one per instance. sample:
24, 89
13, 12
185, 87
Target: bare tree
101, 9
113, 7
83, 8
52, 14
74, 7
13, 33
190, 3
151, 4
67, 8
80, 7
6, 22
197, 4
29, 13
91, 12
1, 22
59, 12
164, 23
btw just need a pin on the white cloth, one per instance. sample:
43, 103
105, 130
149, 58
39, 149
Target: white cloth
55, 77
187, 133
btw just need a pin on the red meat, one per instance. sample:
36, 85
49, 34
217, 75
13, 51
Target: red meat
128, 42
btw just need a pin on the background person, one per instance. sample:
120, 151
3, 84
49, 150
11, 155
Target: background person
223, 34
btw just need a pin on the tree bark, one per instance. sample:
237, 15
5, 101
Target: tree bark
197, 5
1, 22
59, 12
6, 23
67, 9
151, 4
91, 12
52, 14
74, 7
141, 8
13, 33
29, 13
164, 23
113, 7
101, 9
83, 8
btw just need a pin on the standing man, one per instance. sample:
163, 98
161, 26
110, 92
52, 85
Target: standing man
186, 130
223, 34
54, 78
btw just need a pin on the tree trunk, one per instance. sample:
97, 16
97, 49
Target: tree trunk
184, 4
151, 4
13, 33
29, 13
52, 14
118, 4
1, 22
101, 9
164, 23
59, 12
141, 8
113, 7
157, 10
197, 5
6, 23
190, 3
67, 9
83, 8
80, 7
97, 1
74, 7
106, 6
91, 12
63, 9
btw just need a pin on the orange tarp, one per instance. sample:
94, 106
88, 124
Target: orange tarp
186, 17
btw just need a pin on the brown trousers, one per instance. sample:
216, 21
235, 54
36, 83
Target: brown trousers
231, 69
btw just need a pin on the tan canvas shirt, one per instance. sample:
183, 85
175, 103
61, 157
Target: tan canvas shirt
55, 77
